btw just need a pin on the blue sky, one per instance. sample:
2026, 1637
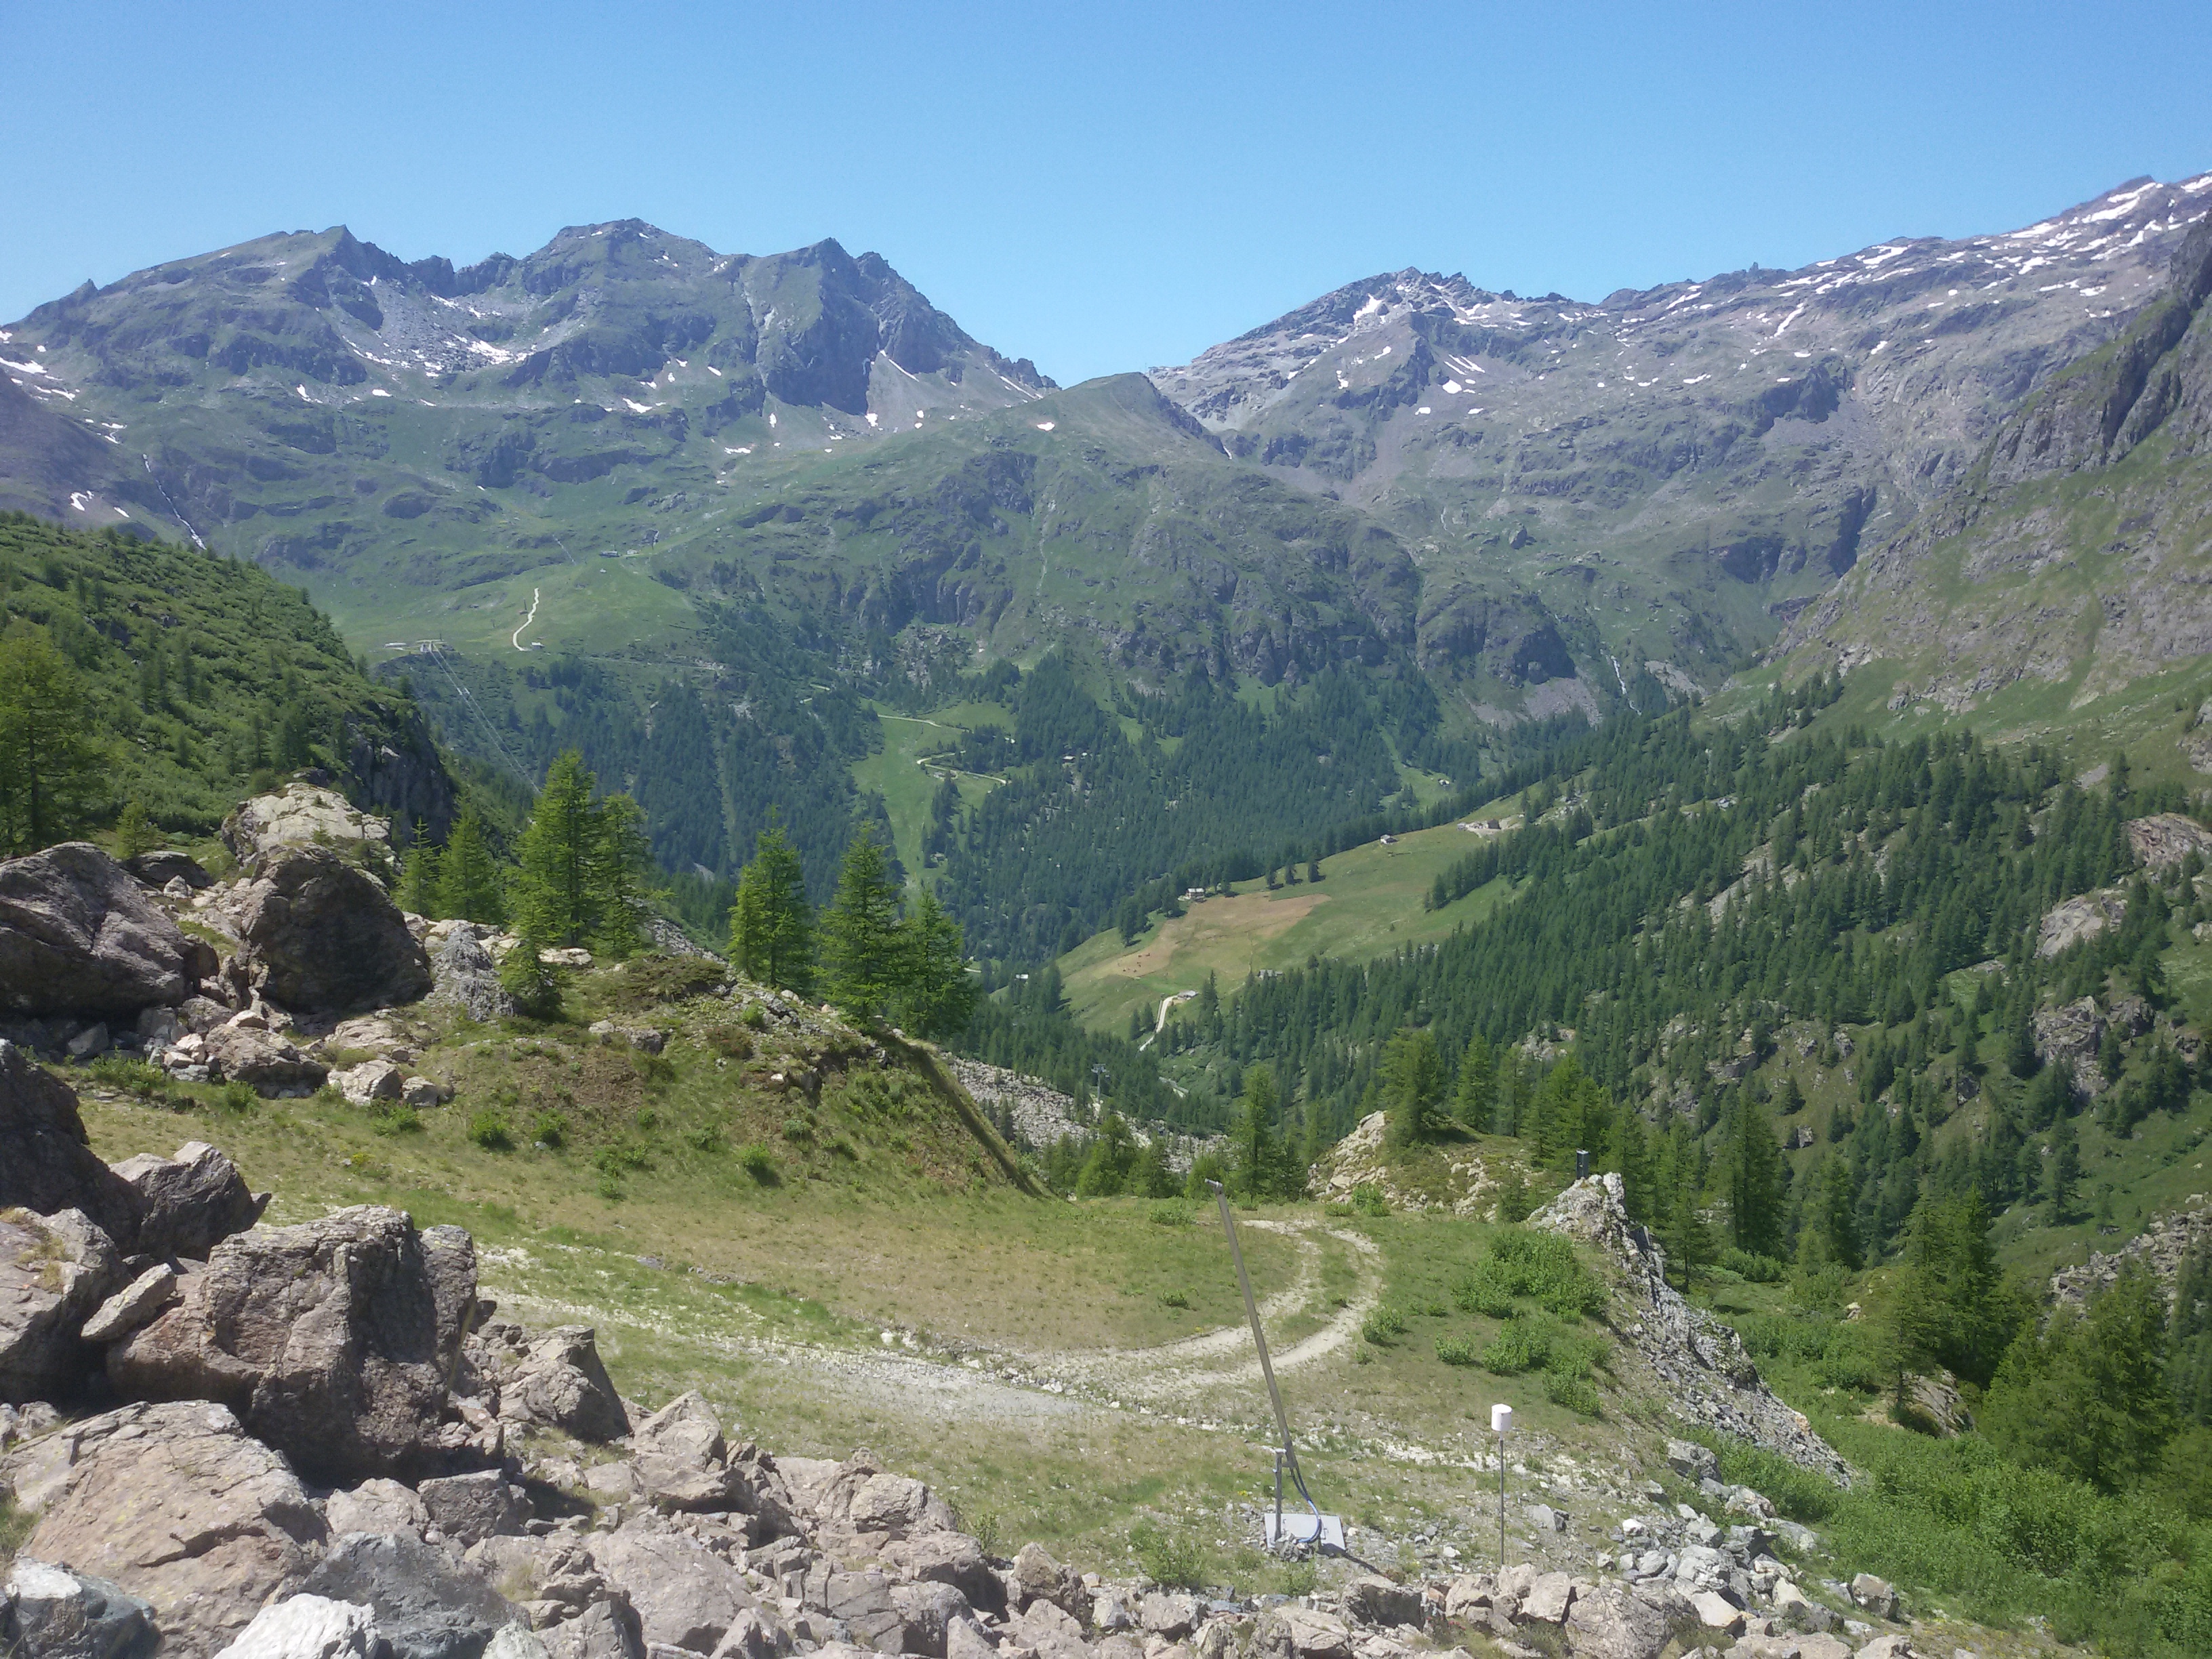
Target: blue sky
1101, 187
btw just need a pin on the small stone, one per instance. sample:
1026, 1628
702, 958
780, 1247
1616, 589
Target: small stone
133, 1306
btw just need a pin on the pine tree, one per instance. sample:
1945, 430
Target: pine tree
468, 880
1475, 1103
555, 901
524, 976
51, 766
133, 834
861, 949
418, 876
1752, 1174
1256, 1169
2088, 1396
620, 858
1413, 1077
771, 924
936, 996
1630, 1153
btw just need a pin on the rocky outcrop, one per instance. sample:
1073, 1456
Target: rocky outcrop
2067, 923
2068, 1036
304, 815
685, 1595
50, 1165
309, 1627
554, 1380
79, 936
245, 1050
318, 935
158, 870
464, 976
55, 1271
428, 1603
333, 1341
2164, 839
179, 1506
190, 1203
2162, 1247
1707, 1376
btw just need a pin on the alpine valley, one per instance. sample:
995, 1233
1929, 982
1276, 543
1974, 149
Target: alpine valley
1658, 848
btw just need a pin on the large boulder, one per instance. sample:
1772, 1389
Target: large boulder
51, 1612
560, 1383
55, 1272
428, 1605
190, 1203
158, 869
464, 978
866, 1508
301, 815
1608, 1623
334, 1341
179, 1505
686, 1595
267, 1061
318, 933
50, 1163
79, 936
1291, 1632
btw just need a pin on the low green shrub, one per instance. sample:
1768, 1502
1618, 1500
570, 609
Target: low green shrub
1382, 1327
1756, 1269
397, 1119
1522, 1344
551, 1131
1171, 1212
1367, 1200
757, 1161
1176, 1300
1173, 1560
488, 1130
238, 1097
131, 1075
1457, 1350
798, 1130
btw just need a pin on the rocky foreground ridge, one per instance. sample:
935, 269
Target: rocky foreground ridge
318, 1440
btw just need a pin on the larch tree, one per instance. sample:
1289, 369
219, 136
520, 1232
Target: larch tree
771, 924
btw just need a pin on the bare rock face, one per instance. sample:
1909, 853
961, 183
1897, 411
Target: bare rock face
2163, 1245
2165, 839
79, 936
181, 1505
865, 1508
50, 1165
2066, 924
471, 1508
158, 869
2068, 1036
375, 1506
190, 1203
560, 1383
333, 1341
318, 933
55, 1271
1699, 1363
309, 1627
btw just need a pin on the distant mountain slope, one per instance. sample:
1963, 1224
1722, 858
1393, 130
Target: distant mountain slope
1674, 471
307, 400
2072, 557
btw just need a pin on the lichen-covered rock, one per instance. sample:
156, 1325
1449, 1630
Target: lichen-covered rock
334, 1341
55, 1272
78, 935
177, 1504
686, 1595
1607, 1622
466, 977
301, 815
1290, 1632
428, 1604
471, 1508
370, 1081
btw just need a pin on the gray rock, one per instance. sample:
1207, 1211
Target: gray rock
1875, 1594
318, 933
309, 1627
1174, 1616
269, 1062
470, 1508
160, 869
1607, 1622
91, 1041
561, 1384
189, 1203
133, 1306
375, 1506
865, 1502
79, 936
1290, 1632
427, 1604
369, 1082
1693, 1462
965, 1639
330, 1338
1372, 1600
464, 978
55, 1272
141, 1480
52, 1613
686, 1431
1547, 1600
50, 1166
1034, 1576
926, 1613
686, 1595
608, 1629
954, 1559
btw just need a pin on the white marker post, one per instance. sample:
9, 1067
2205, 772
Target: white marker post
1501, 1419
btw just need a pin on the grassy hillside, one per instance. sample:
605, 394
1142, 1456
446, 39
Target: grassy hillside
206, 679
1369, 903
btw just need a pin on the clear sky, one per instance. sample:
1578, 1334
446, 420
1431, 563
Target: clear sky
1098, 187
